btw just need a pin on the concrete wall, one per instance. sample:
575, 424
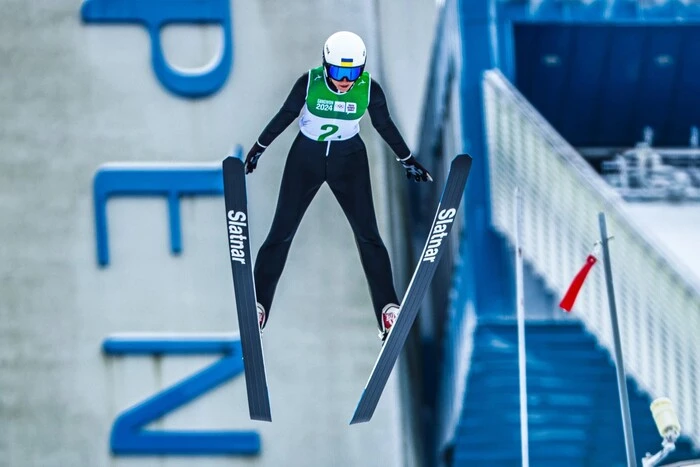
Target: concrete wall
406, 32
75, 96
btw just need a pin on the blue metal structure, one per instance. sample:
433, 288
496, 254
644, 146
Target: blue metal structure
599, 71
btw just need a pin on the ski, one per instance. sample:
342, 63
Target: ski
417, 288
238, 235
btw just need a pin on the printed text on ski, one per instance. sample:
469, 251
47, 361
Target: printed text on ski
236, 239
446, 216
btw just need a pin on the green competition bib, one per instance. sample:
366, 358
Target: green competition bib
329, 115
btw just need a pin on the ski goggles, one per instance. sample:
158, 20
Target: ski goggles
339, 72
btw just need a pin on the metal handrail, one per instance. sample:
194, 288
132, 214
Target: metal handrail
658, 297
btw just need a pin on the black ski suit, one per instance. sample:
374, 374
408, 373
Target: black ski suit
344, 166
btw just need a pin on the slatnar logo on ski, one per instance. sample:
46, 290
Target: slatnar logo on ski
446, 216
236, 224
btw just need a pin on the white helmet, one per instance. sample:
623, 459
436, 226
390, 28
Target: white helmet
344, 49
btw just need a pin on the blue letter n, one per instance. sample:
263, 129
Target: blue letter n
128, 434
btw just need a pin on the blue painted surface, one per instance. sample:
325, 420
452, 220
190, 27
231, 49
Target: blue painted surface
154, 15
167, 180
574, 409
173, 345
598, 11
128, 435
488, 252
462, 297
593, 69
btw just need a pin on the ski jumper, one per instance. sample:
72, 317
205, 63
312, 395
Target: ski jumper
328, 148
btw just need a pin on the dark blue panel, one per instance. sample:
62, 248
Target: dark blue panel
601, 85
657, 82
548, 60
588, 67
614, 116
526, 37
684, 105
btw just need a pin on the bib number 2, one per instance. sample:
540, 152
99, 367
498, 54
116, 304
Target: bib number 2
330, 130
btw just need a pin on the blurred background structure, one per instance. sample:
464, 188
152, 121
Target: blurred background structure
114, 285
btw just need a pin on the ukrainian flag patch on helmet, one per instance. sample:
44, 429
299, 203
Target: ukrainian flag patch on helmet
346, 62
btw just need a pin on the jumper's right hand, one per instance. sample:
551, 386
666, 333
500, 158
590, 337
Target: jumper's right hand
251, 160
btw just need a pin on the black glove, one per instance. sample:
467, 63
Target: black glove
414, 170
251, 160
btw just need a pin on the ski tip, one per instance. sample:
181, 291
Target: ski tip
236, 154
232, 160
462, 160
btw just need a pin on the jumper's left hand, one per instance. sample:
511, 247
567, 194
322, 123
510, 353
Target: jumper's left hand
415, 170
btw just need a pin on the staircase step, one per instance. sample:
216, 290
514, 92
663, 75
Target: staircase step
536, 335
537, 416
601, 421
510, 383
548, 355
481, 367
573, 327
476, 460
573, 404
554, 342
563, 401
545, 453
497, 437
